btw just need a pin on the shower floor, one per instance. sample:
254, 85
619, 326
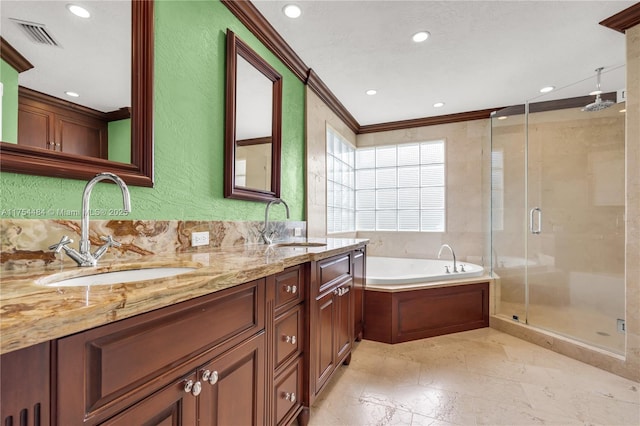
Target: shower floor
585, 325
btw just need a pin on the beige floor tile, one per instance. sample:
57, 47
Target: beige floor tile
482, 377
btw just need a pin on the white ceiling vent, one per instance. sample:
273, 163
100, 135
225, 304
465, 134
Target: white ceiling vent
37, 33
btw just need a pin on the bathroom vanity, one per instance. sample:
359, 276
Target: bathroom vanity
238, 344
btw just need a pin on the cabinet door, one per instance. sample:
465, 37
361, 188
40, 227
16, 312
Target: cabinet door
170, 406
35, 127
235, 395
324, 351
344, 320
82, 137
24, 386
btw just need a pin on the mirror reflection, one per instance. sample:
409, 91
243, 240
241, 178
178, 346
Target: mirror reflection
76, 99
253, 127
252, 146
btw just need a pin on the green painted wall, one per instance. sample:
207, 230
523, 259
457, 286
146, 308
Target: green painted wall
188, 132
120, 140
9, 79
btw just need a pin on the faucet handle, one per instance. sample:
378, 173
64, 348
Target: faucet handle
59, 246
109, 241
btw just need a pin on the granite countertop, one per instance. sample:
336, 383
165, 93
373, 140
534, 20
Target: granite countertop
32, 313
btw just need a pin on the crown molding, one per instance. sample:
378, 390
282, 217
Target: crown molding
11, 56
622, 21
251, 17
428, 121
319, 88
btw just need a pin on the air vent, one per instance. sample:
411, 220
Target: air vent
37, 33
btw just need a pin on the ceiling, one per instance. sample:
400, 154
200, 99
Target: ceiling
481, 54
93, 58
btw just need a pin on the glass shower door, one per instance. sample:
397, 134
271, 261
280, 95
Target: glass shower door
575, 232
508, 200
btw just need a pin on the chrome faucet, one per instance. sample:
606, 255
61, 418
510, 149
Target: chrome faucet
84, 256
267, 236
453, 254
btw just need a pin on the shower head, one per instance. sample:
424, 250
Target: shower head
598, 104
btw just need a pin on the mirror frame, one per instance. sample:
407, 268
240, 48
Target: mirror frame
34, 161
236, 47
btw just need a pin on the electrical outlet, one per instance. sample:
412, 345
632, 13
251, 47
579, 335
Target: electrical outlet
200, 238
621, 326
297, 232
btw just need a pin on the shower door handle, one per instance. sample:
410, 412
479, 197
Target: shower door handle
535, 230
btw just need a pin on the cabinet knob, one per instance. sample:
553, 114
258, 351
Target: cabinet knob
290, 339
210, 376
188, 385
290, 396
197, 388
291, 289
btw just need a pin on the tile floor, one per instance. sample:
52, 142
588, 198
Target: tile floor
479, 377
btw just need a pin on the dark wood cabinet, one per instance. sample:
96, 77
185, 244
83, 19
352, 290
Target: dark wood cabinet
169, 406
104, 370
54, 124
233, 386
254, 354
331, 331
286, 297
25, 377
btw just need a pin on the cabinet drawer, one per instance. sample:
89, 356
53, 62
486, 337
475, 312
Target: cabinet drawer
287, 392
113, 365
289, 287
332, 270
288, 335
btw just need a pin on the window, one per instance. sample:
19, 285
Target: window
401, 187
340, 183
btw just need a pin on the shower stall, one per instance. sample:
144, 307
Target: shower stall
557, 215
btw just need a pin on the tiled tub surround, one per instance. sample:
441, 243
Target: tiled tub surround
25, 242
31, 313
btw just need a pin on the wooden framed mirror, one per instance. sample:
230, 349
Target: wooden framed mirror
139, 171
252, 125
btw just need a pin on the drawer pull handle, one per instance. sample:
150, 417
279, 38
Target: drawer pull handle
290, 396
291, 289
290, 339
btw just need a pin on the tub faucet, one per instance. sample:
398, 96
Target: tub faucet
84, 257
267, 236
453, 254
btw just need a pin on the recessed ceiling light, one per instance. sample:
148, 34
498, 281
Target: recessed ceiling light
292, 11
438, 105
547, 89
421, 36
371, 92
78, 10
72, 94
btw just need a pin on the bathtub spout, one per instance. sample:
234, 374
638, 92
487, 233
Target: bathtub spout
453, 254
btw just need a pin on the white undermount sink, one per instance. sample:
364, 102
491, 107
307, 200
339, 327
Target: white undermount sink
118, 277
